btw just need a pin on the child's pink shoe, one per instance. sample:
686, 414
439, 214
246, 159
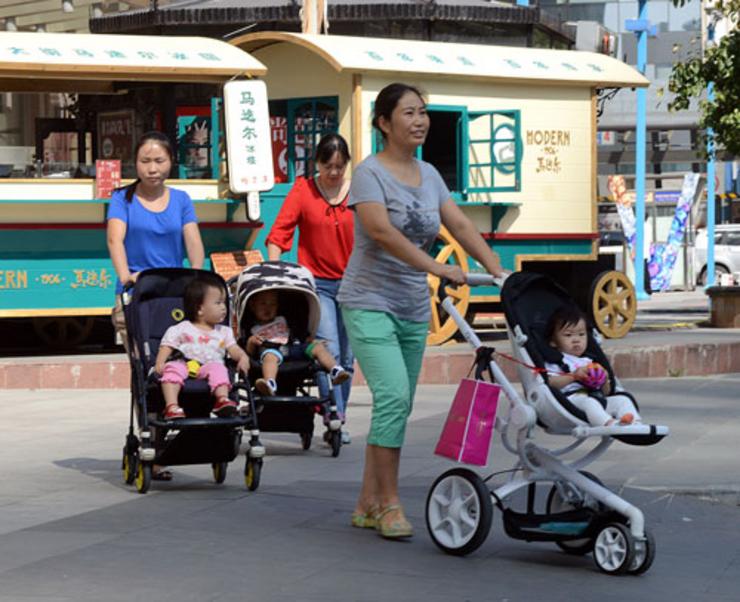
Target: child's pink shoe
174, 412
224, 407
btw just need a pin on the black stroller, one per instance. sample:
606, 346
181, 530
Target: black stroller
154, 304
293, 408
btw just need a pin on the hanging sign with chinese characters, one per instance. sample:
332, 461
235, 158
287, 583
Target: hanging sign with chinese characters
248, 141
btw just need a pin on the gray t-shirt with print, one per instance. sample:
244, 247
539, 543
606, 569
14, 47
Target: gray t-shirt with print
375, 279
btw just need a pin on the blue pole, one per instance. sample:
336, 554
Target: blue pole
711, 193
640, 158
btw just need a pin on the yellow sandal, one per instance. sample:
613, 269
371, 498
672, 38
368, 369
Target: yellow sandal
365, 520
389, 528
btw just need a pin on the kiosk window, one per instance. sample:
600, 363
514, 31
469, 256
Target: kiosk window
494, 152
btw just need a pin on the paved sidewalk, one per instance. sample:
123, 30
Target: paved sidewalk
71, 531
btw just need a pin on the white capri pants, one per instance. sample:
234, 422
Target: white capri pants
616, 407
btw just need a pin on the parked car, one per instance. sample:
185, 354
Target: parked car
726, 252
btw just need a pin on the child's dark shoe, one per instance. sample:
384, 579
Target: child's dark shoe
224, 407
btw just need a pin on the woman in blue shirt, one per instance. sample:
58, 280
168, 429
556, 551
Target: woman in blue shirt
149, 224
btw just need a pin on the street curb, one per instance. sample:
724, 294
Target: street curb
439, 367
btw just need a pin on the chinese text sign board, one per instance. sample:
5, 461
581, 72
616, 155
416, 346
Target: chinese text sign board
248, 137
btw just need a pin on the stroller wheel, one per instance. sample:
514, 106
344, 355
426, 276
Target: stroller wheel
556, 503
614, 549
129, 466
252, 472
459, 511
306, 439
219, 472
644, 555
335, 440
143, 476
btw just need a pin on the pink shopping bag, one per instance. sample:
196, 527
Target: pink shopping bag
466, 435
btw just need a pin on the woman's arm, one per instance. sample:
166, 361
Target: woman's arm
280, 238
465, 232
194, 245
115, 234
273, 251
374, 220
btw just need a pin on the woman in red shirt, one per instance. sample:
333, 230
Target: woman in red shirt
318, 207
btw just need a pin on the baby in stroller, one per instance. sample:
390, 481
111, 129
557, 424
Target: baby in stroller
196, 346
583, 380
270, 342
286, 400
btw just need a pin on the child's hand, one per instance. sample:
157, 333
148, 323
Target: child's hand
243, 364
159, 367
580, 373
256, 340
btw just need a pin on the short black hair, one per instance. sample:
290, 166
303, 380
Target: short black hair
329, 145
195, 293
565, 315
387, 100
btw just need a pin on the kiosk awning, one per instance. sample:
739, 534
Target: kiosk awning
474, 61
26, 58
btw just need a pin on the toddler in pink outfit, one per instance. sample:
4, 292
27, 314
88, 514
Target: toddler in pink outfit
201, 338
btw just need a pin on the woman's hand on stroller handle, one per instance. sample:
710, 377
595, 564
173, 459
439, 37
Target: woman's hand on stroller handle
450, 273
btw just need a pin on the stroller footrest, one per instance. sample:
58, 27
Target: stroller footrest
184, 423
652, 432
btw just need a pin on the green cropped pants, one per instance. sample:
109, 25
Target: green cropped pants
390, 352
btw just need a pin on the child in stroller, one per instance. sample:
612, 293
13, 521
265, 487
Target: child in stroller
156, 438
287, 404
559, 501
198, 344
270, 343
584, 381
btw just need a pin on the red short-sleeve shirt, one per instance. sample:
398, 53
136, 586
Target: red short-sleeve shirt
326, 231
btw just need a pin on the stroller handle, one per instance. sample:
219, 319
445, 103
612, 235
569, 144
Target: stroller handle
478, 279
473, 279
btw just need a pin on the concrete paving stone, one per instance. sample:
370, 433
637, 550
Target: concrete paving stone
192, 540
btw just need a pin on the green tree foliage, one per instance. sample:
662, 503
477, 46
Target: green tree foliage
719, 64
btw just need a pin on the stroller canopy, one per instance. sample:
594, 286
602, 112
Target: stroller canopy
298, 300
529, 300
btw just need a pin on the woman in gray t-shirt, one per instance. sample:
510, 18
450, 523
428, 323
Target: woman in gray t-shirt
400, 203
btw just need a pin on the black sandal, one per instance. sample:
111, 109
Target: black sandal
162, 475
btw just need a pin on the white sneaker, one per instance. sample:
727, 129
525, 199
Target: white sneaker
266, 386
338, 375
346, 439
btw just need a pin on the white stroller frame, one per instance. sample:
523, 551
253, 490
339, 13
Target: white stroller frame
459, 512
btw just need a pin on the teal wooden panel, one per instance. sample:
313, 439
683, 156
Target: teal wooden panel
509, 249
270, 205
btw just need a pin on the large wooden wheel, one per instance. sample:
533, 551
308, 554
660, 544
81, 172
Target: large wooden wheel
613, 304
442, 326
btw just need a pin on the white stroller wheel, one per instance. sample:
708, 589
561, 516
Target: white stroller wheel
644, 555
614, 549
459, 511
